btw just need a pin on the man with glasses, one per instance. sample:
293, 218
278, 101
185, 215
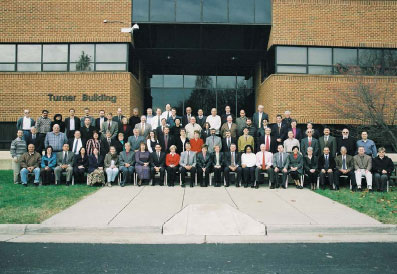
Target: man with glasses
346, 141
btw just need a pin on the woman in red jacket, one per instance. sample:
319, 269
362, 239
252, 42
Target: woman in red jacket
196, 142
172, 163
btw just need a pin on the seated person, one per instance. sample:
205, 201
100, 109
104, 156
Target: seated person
96, 172
217, 165
294, 165
344, 166
248, 163
127, 164
157, 164
142, 163
326, 165
264, 164
310, 165
111, 164
65, 160
48, 163
188, 164
382, 167
362, 167
203, 166
232, 163
279, 161
80, 165
30, 163
172, 162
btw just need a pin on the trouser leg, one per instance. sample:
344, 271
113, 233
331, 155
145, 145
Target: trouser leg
16, 169
24, 175
57, 172
377, 181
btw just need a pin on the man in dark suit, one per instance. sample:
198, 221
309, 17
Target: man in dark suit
135, 140
217, 165
227, 141
326, 165
346, 141
127, 164
110, 125
76, 142
187, 116
259, 116
287, 119
328, 141
65, 160
134, 119
167, 140
72, 123
310, 141
226, 114
279, 130
34, 139
157, 164
160, 129
200, 118
279, 162
203, 165
117, 118
269, 141
99, 121
344, 165
106, 142
232, 163
187, 163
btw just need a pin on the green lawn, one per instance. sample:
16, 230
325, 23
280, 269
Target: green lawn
32, 205
379, 205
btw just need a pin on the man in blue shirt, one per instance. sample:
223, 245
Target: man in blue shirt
369, 145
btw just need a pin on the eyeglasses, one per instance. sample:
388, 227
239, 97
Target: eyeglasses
345, 132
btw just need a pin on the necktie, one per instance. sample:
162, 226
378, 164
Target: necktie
109, 126
34, 136
246, 138
109, 141
344, 162
158, 155
166, 141
75, 146
65, 155
267, 143
263, 161
310, 142
326, 139
279, 128
326, 162
168, 115
228, 142
232, 158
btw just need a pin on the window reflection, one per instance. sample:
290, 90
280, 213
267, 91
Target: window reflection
111, 53
55, 67
79, 52
188, 11
55, 53
111, 67
29, 67
241, 11
7, 67
140, 10
29, 53
162, 10
263, 11
215, 11
7, 53
345, 56
320, 56
292, 55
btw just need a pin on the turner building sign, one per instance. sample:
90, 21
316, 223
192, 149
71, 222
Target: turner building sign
83, 97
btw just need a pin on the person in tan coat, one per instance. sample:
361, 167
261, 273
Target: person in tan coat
30, 163
362, 167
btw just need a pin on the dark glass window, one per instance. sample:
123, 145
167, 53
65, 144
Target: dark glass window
263, 11
173, 81
188, 11
157, 81
215, 11
140, 10
291, 69
241, 11
162, 10
7, 53
226, 82
111, 53
189, 81
29, 67
345, 57
55, 67
320, 56
390, 62
29, 53
320, 70
7, 67
370, 61
292, 55
55, 53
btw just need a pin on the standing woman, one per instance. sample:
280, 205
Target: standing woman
93, 143
48, 163
142, 163
80, 165
125, 128
151, 141
58, 121
294, 165
111, 165
310, 167
96, 173
181, 141
172, 163
206, 132
248, 163
175, 130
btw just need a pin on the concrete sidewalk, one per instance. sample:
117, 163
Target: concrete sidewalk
199, 215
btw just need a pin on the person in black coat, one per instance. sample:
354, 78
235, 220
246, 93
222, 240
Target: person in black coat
200, 118
217, 168
71, 141
227, 141
272, 147
157, 164
87, 129
125, 128
58, 121
80, 165
171, 141
346, 141
77, 123
279, 130
232, 167
298, 132
326, 166
382, 167
310, 166
35, 140
118, 142
206, 132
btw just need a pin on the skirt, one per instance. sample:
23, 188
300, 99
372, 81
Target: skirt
97, 176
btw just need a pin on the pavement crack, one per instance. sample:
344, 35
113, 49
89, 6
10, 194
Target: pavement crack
230, 196
129, 202
183, 198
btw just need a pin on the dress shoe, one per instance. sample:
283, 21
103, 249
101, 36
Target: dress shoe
252, 186
227, 185
283, 186
25, 185
67, 183
359, 189
58, 182
237, 185
122, 184
36, 184
257, 186
272, 187
183, 185
191, 185
109, 184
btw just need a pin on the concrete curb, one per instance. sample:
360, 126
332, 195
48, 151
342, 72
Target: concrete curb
375, 229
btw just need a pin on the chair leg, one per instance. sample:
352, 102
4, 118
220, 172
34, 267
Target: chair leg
180, 179
318, 182
72, 180
387, 186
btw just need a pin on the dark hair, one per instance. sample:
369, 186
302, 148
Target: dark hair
57, 115
143, 144
248, 146
44, 110
52, 150
279, 115
295, 147
81, 149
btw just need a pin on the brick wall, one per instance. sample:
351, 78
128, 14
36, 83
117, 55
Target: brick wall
46, 21
344, 23
30, 90
307, 96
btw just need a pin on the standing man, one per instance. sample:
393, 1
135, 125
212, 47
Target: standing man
264, 164
157, 164
76, 143
143, 127
188, 164
228, 141
35, 140
232, 163
134, 119
30, 163
201, 119
72, 123
192, 127
310, 141
119, 117
25, 123
227, 114
156, 120
279, 130
346, 141
287, 119
186, 118
110, 125
65, 160
135, 140
269, 141
43, 126
230, 126
56, 139
344, 167
149, 116
166, 140
87, 115
326, 165
241, 123
167, 113
259, 116
87, 130
213, 140
17, 149
100, 120
245, 140
252, 130
214, 120
363, 166
328, 141
368, 145
279, 162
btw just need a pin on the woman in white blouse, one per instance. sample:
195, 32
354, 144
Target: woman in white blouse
248, 163
181, 141
151, 141
290, 142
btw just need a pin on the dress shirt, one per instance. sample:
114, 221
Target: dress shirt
215, 122
156, 121
248, 159
101, 121
233, 156
77, 144
191, 128
43, 125
149, 119
268, 158
72, 126
55, 140
369, 146
166, 114
289, 144
26, 123
260, 119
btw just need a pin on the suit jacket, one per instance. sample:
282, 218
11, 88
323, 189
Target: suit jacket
212, 141
225, 147
105, 147
298, 135
124, 159
379, 164
309, 164
279, 134
233, 130
20, 123
224, 117
127, 132
86, 133
98, 123
349, 162
201, 121
227, 158
157, 162
38, 145
273, 143
159, 132
117, 144
349, 143
171, 141
184, 159
185, 119
277, 162
202, 162
145, 133
69, 158
255, 119
135, 142
242, 143
134, 120
180, 147
94, 163
365, 163
331, 144
292, 162
321, 162
315, 145
114, 128
221, 158
117, 119
67, 126
71, 142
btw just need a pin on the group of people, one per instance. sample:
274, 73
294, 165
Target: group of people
200, 146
